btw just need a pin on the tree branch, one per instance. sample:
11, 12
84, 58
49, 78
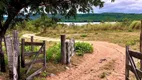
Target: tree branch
6, 24
0, 25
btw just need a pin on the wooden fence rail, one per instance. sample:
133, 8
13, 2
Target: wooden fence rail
130, 65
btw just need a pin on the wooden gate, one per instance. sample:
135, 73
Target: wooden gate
42, 50
131, 66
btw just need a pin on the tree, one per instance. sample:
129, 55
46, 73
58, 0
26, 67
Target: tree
24, 8
44, 21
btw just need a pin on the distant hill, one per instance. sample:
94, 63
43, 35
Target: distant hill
103, 17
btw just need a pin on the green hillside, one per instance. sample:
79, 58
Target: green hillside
103, 17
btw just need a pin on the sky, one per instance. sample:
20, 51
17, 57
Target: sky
120, 6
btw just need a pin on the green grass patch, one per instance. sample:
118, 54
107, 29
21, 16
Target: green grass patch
83, 35
54, 53
83, 47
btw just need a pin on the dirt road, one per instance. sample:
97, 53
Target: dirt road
107, 62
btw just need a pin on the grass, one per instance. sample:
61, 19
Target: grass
117, 33
120, 37
83, 35
103, 75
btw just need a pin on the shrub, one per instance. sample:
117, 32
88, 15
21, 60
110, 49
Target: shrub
83, 35
135, 25
35, 48
82, 47
131, 42
54, 53
44, 22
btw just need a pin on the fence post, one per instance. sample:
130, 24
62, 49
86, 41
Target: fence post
63, 49
32, 40
16, 56
44, 53
68, 52
126, 65
22, 53
141, 45
9, 51
72, 47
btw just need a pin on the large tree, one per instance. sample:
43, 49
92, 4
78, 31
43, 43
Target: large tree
23, 8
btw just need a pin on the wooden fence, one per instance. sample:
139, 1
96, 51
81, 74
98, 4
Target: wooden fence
130, 64
13, 51
42, 50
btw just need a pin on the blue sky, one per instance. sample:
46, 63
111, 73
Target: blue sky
120, 6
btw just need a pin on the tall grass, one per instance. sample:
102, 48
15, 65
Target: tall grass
135, 25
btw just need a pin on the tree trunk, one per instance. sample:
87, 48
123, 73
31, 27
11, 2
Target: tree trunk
2, 60
3, 29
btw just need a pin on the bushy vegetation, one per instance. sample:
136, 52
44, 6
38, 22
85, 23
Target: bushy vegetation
54, 53
83, 47
83, 35
29, 48
43, 22
135, 25
39, 24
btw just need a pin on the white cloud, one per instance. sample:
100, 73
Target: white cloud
121, 6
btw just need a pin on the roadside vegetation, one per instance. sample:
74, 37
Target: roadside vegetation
82, 47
